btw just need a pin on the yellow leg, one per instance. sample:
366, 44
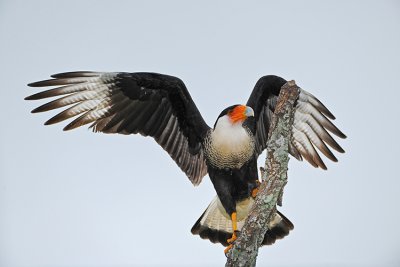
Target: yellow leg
234, 228
234, 222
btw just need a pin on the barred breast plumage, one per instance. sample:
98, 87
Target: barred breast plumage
229, 145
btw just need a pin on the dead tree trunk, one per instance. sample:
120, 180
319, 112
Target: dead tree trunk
245, 249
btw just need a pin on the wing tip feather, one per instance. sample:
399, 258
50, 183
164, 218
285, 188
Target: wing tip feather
342, 135
37, 110
339, 149
69, 127
75, 74
39, 83
54, 120
31, 97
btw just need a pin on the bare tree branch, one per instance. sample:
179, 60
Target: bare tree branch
245, 249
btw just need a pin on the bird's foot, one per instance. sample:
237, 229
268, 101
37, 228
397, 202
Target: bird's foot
230, 242
254, 192
233, 238
226, 250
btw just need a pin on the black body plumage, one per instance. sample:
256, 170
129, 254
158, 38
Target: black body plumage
233, 185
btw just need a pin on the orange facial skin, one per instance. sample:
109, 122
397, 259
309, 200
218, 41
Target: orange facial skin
238, 114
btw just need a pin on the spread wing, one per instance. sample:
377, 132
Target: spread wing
311, 126
151, 104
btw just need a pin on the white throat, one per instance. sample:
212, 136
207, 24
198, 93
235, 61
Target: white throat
229, 136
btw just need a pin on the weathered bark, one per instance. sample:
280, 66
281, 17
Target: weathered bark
245, 249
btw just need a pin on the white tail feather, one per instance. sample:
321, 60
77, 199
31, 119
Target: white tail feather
215, 217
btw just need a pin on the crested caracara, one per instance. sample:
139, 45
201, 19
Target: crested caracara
160, 106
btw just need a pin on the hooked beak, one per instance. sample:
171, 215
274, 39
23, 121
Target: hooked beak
249, 112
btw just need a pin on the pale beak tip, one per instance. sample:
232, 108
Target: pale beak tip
249, 112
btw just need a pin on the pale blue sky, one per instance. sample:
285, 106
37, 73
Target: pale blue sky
85, 199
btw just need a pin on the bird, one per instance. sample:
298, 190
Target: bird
160, 106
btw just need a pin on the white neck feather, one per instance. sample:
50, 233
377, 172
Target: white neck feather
228, 135
230, 145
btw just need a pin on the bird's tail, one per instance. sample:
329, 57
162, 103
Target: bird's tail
215, 224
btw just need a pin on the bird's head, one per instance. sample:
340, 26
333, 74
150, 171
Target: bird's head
239, 113
235, 114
